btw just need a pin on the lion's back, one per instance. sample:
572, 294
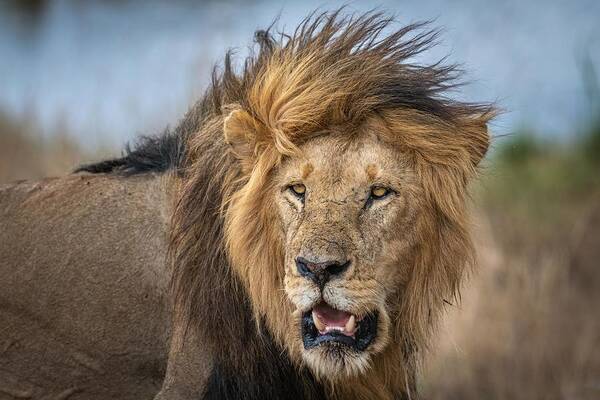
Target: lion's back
82, 261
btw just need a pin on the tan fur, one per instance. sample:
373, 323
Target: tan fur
84, 309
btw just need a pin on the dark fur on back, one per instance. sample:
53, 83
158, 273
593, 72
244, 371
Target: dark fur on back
154, 153
149, 154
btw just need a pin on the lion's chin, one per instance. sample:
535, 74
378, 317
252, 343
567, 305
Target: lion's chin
336, 342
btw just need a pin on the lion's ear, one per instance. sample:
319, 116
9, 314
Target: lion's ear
239, 129
477, 139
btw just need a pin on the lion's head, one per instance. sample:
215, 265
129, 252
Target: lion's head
342, 192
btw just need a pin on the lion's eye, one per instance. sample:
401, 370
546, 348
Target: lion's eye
298, 189
379, 192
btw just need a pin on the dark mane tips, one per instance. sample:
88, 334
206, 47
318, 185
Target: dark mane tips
158, 153
324, 58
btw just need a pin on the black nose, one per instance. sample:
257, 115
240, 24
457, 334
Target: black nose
320, 272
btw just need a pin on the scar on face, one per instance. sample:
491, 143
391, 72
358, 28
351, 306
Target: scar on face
372, 171
307, 169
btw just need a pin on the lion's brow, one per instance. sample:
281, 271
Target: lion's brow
307, 169
372, 171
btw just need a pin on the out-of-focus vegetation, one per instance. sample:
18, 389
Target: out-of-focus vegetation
24, 154
528, 325
539, 179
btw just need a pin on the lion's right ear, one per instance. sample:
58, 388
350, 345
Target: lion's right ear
240, 131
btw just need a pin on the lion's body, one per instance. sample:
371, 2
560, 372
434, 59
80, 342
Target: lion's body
309, 214
83, 288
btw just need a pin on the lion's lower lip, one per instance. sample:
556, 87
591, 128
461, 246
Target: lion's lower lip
358, 339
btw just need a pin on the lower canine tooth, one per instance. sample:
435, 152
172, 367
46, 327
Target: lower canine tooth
351, 324
320, 325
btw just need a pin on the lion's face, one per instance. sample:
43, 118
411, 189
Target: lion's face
348, 212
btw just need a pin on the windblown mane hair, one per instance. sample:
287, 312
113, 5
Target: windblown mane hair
332, 70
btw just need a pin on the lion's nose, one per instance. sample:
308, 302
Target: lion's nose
320, 272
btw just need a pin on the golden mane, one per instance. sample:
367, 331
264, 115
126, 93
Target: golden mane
333, 70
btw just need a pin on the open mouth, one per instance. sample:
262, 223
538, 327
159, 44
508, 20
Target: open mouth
326, 325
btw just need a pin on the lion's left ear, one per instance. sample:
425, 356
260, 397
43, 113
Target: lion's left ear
476, 138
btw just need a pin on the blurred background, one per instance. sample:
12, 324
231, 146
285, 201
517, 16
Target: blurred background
79, 79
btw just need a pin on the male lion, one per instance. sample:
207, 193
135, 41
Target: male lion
311, 208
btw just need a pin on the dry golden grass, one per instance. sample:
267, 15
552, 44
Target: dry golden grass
528, 326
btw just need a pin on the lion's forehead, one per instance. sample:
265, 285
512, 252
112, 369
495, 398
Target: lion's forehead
340, 165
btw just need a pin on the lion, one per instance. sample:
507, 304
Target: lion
296, 236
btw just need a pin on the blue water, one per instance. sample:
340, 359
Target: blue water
110, 70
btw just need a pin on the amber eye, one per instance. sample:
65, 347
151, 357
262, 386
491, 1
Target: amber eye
379, 192
298, 189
